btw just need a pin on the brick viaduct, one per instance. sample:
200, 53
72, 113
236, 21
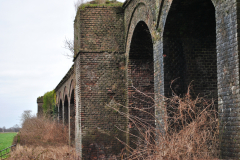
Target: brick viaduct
147, 44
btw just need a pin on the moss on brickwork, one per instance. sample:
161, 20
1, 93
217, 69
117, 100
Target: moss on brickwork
99, 29
83, 6
49, 103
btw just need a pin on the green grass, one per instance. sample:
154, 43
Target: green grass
6, 140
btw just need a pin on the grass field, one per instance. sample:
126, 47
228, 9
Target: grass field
6, 139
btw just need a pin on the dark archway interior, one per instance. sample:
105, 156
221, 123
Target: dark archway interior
60, 111
141, 78
66, 110
72, 118
189, 49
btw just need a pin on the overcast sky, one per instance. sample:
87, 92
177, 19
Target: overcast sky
32, 35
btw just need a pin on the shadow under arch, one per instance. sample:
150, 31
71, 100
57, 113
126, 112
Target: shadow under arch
66, 113
60, 112
72, 118
189, 49
140, 81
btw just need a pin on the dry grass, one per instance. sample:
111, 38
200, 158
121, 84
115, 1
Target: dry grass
42, 138
40, 131
189, 132
46, 153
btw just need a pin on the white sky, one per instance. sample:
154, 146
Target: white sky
32, 35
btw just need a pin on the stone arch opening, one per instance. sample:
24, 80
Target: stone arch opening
60, 112
189, 49
72, 118
66, 117
141, 79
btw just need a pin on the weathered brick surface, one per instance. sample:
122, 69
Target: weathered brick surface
140, 80
227, 67
99, 29
66, 102
189, 49
102, 87
192, 40
138, 9
72, 115
228, 76
100, 81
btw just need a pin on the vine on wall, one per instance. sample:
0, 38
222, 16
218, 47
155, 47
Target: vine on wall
49, 103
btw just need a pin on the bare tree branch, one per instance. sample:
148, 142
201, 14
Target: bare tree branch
77, 4
68, 44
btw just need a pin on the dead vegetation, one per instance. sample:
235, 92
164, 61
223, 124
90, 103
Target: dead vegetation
42, 138
40, 131
47, 153
189, 132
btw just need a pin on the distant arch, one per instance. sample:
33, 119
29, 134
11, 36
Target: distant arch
60, 111
72, 117
71, 87
66, 110
65, 93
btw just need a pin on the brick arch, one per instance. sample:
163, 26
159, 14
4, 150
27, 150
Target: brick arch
59, 97
66, 109
163, 17
189, 43
72, 112
140, 75
71, 87
141, 12
66, 93
60, 110
189, 50
227, 57
164, 9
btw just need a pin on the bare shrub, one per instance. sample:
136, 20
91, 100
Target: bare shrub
42, 131
190, 131
26, 115
46, 153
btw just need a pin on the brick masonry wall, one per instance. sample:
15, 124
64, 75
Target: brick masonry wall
228, 76
100, 81
102, 88
227, 72
99, 29
140, 80
72, 118
66, 106
190, 49
131, 9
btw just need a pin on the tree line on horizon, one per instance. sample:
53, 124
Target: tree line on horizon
15, 128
